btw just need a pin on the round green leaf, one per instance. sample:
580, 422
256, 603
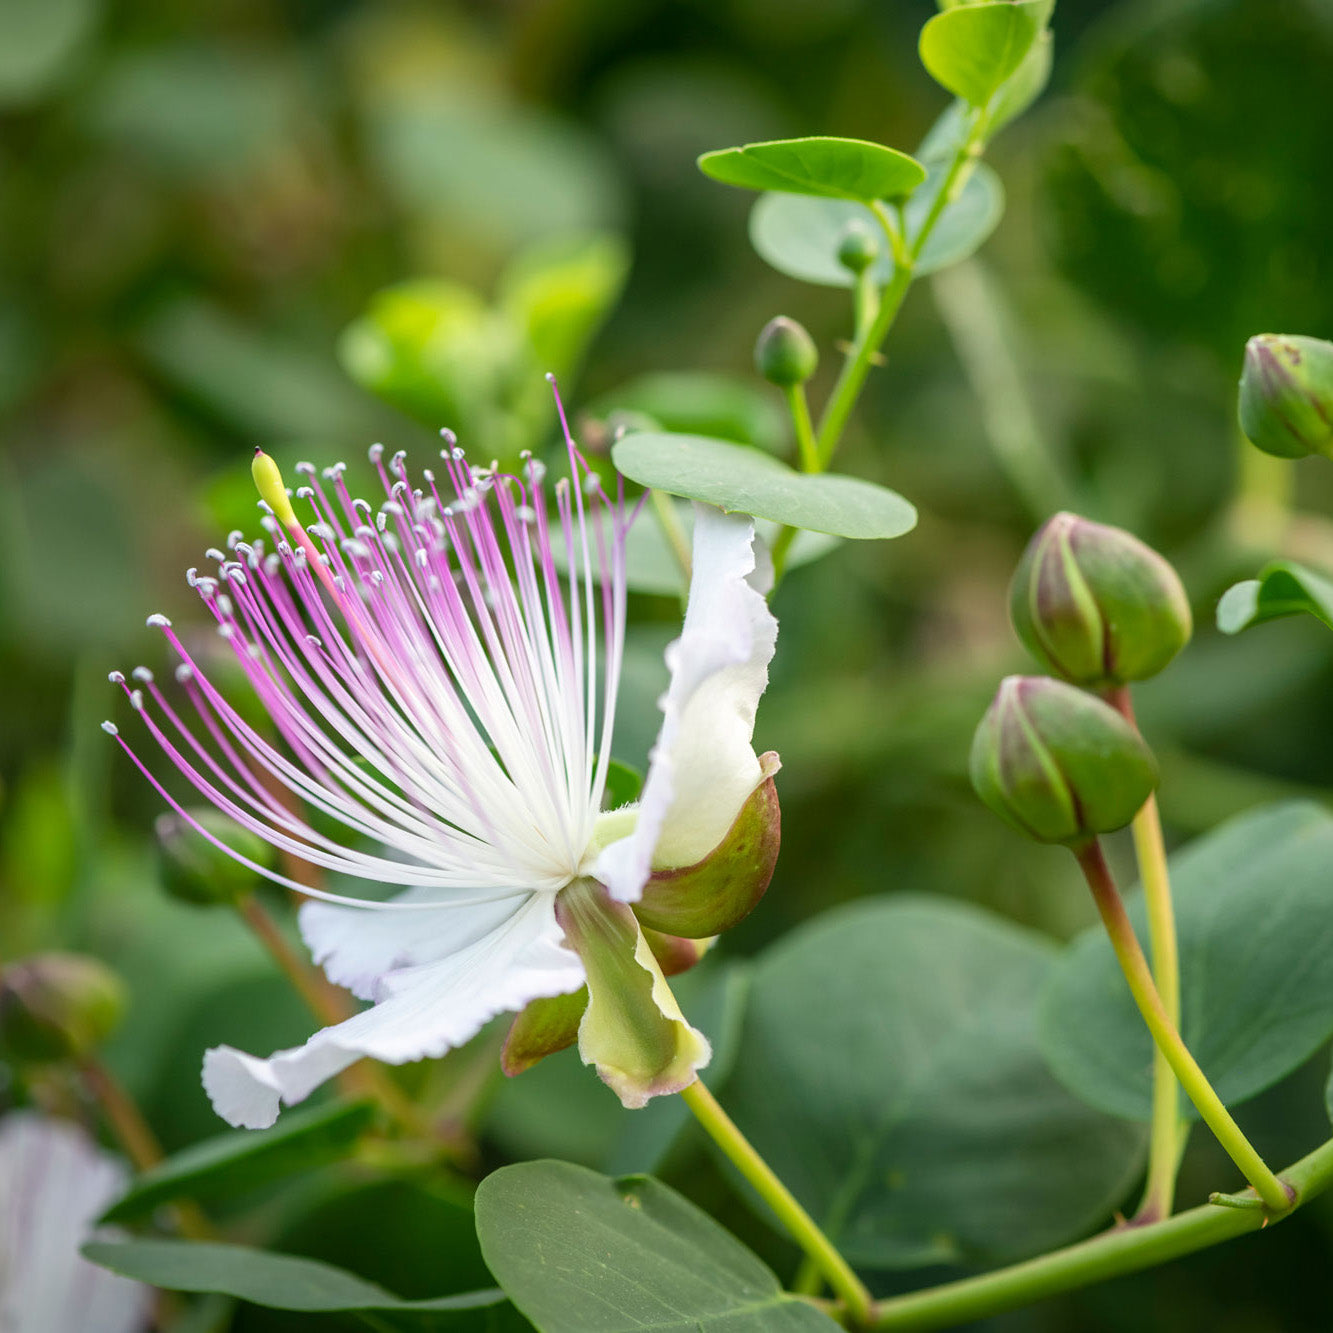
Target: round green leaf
1256, 968
819, 165
580, 1253
973, 49
741, 480
889, 1072
799, 237
282, 1282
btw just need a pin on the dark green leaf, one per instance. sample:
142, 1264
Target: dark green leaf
819, 165
889, 1072
973, 49
1283, 588
580, 1253
232, 1163
746, 481
1256, 968
800, 237
282, 1282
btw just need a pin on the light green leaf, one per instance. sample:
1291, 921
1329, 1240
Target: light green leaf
1283, 588
800, 237
432, 348
580, 1253
820, 165
972, 50
559, 292
741, 480
282, 1282
1256, 968
937, 1134
232, 1163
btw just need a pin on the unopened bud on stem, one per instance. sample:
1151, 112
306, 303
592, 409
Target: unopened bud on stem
784, 353
57, 1006
1286, 395
1096, 606
1059, 764
858, 248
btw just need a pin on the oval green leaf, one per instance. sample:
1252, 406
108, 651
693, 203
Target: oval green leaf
741, 480
800, 237
1283, 588
937, 1135
578, 1252
1256, 969
972, 50
283, 1282
229, 1164
819, 165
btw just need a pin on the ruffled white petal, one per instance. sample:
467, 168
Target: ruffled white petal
423, 1010
357, 949
54, 1183
703, 766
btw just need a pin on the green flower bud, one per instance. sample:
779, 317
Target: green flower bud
197, 872
1059, 764
1096, 606
784, 353
1286, 395
859, 247
57, 1006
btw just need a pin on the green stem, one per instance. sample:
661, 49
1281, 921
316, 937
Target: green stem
799, 408
799, 1224
1165, 1034
664, 510
855, 369
1126, 1249
1167, 1141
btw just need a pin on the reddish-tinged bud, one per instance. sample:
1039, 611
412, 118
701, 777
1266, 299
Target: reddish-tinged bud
58, 1006
1095, 605
1286, 395
1059, 764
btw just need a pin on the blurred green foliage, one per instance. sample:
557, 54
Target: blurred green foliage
212, 219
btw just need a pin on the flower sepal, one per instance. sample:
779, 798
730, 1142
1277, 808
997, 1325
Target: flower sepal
632, 1030
712, 895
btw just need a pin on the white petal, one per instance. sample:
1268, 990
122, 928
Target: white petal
357, 948
703, 767
423, 1012
54, 1183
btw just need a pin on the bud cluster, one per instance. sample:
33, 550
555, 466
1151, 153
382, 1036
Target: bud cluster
1098, 609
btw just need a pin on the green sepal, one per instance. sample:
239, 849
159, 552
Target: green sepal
714, 894
546, 1026
632, 1030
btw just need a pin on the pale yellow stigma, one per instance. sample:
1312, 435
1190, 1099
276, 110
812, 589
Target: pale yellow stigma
272, 490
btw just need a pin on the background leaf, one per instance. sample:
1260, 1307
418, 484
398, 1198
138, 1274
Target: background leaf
800, 236
580, 1253
1256, 968
229, 1164
1283, 588
889, 1072
819, 165
746, 481
282, 1282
